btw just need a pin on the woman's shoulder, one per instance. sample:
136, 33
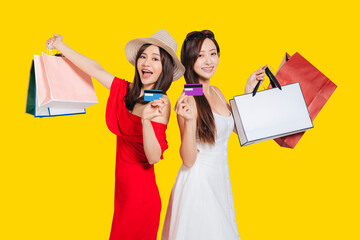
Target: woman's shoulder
119, 84
122, 80
167, 102
216, 89
166, 98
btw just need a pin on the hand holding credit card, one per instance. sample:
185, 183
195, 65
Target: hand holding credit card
195, 89
152, 94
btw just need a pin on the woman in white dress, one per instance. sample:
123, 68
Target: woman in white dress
201, 204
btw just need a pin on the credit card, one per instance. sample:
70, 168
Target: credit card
194, 89
152, 94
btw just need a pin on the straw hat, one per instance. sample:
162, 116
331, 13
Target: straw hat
161, 38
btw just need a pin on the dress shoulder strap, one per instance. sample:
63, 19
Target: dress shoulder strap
222, 100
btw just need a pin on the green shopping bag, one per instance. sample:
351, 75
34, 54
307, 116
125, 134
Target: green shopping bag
30, 102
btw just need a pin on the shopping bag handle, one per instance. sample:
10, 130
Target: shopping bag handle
49, 51
273, 81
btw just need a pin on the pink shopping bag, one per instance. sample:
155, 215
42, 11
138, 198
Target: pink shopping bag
61, 87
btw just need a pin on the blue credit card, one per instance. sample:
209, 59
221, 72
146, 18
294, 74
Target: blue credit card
152, 94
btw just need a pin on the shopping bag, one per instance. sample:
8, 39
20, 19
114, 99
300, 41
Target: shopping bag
61, 88
316, 87
271, 113
30, 100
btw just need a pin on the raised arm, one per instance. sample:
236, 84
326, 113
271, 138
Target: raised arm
186, 116
86, 64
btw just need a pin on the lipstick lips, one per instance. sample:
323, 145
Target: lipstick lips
146, 73
208, 69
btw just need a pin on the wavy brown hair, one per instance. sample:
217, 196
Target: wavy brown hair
163, 83
205, 125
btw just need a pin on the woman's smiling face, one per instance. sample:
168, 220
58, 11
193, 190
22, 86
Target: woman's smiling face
207, 61
149, 66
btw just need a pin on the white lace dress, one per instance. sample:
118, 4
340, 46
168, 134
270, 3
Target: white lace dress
201, 204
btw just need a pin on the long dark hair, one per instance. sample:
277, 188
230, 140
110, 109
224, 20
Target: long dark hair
163, 83
205, 125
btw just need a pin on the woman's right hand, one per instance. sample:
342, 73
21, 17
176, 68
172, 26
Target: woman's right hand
254, 78
56, 39
182, 108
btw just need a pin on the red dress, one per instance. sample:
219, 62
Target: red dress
137, 200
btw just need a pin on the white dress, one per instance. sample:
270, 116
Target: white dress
201, 204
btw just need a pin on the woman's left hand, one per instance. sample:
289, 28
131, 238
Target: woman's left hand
154, 109
256, 76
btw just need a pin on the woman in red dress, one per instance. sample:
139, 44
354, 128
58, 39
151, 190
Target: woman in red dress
140, 128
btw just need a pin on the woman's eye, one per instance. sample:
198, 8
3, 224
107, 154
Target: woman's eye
200, 55
142, 56
155, 59
214, 53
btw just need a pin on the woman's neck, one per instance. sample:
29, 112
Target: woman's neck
150, 86
206, 86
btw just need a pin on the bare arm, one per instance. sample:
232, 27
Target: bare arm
86, 64
158, 111
186, 117
151, 145
188, 148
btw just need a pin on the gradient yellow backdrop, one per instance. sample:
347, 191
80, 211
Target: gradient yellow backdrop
57, 174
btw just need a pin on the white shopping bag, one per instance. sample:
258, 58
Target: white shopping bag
269, 114
61, 87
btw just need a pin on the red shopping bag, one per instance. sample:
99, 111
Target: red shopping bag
316, 87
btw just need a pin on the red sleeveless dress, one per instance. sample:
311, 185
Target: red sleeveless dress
137, 200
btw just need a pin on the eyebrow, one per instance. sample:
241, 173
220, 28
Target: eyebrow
151, 54
209, 50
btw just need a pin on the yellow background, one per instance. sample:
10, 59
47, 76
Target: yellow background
57, 174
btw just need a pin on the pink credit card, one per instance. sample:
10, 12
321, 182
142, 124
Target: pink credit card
195, 89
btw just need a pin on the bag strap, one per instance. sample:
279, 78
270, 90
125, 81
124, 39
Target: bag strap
49, 51
273, 81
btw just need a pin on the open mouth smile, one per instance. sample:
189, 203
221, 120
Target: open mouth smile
208, 69
146, 73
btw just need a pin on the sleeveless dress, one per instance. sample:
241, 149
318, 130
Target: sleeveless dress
201, 203
137, 200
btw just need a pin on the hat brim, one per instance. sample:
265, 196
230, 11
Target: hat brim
133, 46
